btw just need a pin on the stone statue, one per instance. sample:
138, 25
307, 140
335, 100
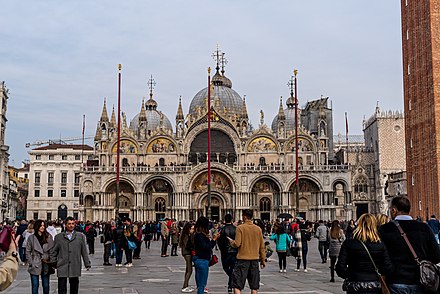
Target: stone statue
124, 120
261, 117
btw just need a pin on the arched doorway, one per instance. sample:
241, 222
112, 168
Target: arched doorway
221, 190
126, 196
217, 207
89, 201
159, 193
62, 212
308, 193
222, 148
265, 191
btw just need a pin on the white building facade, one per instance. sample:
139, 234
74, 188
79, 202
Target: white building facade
54, 180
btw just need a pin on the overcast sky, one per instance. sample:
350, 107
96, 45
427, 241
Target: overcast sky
59, 58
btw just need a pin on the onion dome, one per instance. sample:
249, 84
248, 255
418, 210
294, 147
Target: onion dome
289, 114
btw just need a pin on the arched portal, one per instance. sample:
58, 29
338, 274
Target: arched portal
308, 193
159, 192
126, 196
217, 206
265, 191
222, 148
222, 189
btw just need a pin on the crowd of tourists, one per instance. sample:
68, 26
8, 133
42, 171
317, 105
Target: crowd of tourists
373, 255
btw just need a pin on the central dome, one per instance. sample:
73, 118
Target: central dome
228, 98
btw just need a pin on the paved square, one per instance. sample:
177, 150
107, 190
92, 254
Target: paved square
155, 275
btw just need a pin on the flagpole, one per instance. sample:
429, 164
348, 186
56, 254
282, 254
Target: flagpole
82, 147
118, 152
346, 137
208, 213
295, 72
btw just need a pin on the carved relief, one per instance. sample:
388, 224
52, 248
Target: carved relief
303, 145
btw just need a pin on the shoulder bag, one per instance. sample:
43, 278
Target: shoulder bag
429, 272
383, 284
131, 244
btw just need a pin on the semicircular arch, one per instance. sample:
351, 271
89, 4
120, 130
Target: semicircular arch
266, 177
127, 146
262, 143
163, 178
112, 181
314, 180
161, 144
220, 180
305, 144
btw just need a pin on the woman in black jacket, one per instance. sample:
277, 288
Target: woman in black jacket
354, 264
119, 240
203, 252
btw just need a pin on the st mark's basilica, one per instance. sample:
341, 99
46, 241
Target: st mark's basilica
164, 168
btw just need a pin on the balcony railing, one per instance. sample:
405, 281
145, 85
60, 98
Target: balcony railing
247, 168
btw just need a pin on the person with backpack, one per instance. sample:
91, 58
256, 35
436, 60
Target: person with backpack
90, 236
434, 224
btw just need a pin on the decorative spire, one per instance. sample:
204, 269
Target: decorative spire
151, 104
143, 114
180, 110
281, 115
113, 119
151, 85
291, 100
104, 116
244, 114
217, 56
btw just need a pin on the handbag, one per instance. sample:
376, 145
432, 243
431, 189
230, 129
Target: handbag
214, 260
429, 272
48, 268
294, 251
131, 244
383, 285
5, 238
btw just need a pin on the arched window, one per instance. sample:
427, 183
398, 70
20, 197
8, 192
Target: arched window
161, 161
262, 161
159, 205
124, 162
361, 185
265, 204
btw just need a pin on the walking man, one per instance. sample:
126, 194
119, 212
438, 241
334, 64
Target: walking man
68, 249
322, 233
250, 244
405, 278
228, 253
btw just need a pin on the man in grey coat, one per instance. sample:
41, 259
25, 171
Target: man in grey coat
322, 233
69, 247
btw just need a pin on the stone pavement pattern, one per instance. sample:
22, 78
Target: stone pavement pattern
155, 275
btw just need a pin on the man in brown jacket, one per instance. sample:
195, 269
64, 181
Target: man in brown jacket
250, 243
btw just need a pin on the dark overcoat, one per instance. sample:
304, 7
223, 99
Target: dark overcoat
67, 254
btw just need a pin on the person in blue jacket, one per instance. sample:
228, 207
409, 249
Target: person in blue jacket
282, 241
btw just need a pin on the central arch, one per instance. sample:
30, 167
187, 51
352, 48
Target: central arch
265, 194
159, 192
222, 148
308, 195
218, 205
126, 196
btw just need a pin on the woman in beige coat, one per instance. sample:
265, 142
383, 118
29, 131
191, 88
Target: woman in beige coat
38, 247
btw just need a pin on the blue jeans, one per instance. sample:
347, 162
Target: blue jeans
405, 289
22, 252
35, 283
228, 263
202, 270
118, 255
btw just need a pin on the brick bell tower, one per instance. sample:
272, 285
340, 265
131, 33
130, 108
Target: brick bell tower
421, 82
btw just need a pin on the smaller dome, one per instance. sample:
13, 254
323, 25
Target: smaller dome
153, 121
289, 121
151, 104
221, 80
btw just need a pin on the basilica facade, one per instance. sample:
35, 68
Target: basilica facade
164, 168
